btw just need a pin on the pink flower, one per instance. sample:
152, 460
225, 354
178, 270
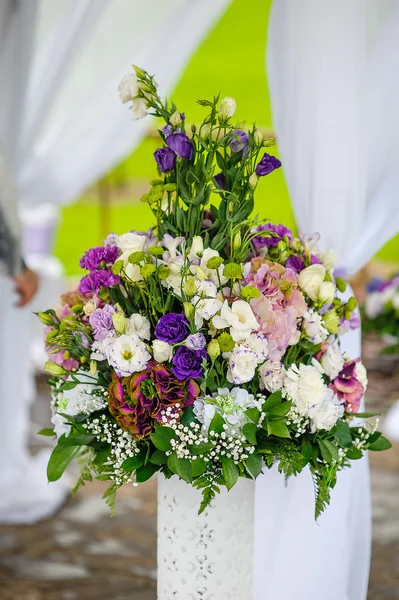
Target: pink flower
348, 387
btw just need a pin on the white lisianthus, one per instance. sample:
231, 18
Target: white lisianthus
174, 279
310, 280
242, 364
304, 385
325, 415
332, 361
313, 327
89, 307
128, 354
227, 109
205, 302
203, 272
100, 348
171, 244
258, 343
239, 318
162, 351
128, 88
230, 404
137, 324
327, 292
361, 374
197, 248
272, 375
329, 258
175, 119
139, 109
131, 242
130, 271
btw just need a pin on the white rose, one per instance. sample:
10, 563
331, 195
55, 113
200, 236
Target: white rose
313, 327
139, 109
242, 365
139, 325
272, 375
162, 351
332, 361
227, 109
325, 415
327, 292
310, 280
128, 354
131, 242
128, 88
239, 318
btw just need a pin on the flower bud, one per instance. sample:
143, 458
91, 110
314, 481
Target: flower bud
83, 360
213, 349
91, 306
175, 120
331, 321
93, 367
199, 273
258, 136
352, 303
139, 72
205, 131
310, 280
162, 351
190, 287
326, 292
341, 284
45, 318
194, 128
197, 247
67, 355
253, 181
53, 369
119, 321
237, 241
227, 109
189, 310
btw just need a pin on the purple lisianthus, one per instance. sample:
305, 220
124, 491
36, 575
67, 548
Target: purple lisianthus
220, 180
239, 141
295, 263
180, 144
94, 257
349, 324
101, 321
267, 165
172, 328
94, 281
187, 364
280, 232
166, 159
315, 260
196, 341
167, 130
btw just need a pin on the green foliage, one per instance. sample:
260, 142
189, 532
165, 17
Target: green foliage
230, 472
60, 458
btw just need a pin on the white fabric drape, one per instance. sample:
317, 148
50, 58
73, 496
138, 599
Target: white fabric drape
331, 68
62, 126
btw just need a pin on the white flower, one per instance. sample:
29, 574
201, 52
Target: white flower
332, 361
231, 405
272, 375
205, 302
325, 415
329, 258
131, 242
162, 351
139, 108
128, 88
258, 343
239, 318
128, 354
129, 270
309, 241
203, 272
227, 109
242, 364
175, 119
313, 327
70, 402
310, 280
174, 279
304, 385
326, 292
374, 304
100, 348
395, 301
361, 374
171, 244
61, 426
197, 248
139, 325
89, 307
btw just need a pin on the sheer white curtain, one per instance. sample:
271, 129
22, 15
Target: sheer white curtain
331, 68
61, 127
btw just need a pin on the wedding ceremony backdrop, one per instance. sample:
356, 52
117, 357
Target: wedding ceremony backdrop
78, 164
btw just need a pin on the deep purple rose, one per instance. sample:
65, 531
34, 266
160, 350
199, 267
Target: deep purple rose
267, 165
92, 283
180, 144
93, 258
172, 328
166, 159
280, 232
187, 364
239, 144
295, 263
220, 180
101, 321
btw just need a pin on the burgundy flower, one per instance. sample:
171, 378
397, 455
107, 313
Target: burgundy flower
347, 386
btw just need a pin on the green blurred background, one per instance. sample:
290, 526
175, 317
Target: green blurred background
228, 63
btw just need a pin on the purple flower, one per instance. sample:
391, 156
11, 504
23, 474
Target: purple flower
220, 180
172, 328
93, 258
180, 144
167, 130
196, 341
101, 322
295, 263
187, 364
315, 260
166, 159
241, 143
267, 165
349, 324
280, 230
92, 283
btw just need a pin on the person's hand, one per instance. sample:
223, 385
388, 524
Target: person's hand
26, 285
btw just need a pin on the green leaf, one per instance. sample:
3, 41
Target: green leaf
146, 472
181, 467
68, 385
134, 462
201, 448
354, 453
380, 444
161, 438
159, 458
249, 431
272, 401
253, 414
60, 458
230, 472
47, 431
278, 428
254, 464
217, 423
364, 415
188, 416
343, 435
306, 448
199, 466
281, 410
328, 451
77, 439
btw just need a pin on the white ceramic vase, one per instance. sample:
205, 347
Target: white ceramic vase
208, 556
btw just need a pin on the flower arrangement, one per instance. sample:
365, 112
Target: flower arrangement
206, 347
381, 311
